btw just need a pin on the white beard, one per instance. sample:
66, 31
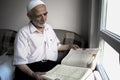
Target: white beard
38, 24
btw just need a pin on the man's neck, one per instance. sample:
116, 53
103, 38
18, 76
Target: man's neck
41, 29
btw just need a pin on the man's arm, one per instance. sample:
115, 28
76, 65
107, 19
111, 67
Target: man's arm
67, 47
24, 68
29, 72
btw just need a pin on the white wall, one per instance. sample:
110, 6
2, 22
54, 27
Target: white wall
13, 14
64, 14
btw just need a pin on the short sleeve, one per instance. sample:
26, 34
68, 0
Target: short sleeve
20, 49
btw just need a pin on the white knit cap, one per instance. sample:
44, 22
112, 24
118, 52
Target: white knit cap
33, 3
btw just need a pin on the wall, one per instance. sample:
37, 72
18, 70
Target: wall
13, 14
72, 15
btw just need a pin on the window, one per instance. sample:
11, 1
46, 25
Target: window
111, 62
113, 16
110, 37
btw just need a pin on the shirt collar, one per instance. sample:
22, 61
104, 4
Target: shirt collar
32, 28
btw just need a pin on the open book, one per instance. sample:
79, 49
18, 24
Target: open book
64, 72
73, 65
82, 58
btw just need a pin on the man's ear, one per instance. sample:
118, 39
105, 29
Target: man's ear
29, 16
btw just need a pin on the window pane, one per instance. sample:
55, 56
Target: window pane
111, 62
113, 16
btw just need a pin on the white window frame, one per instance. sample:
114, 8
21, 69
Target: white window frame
111, 38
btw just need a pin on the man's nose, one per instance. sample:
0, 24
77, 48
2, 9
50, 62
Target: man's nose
43, 17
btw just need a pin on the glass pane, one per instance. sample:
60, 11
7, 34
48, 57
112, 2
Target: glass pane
113, 16
111, 62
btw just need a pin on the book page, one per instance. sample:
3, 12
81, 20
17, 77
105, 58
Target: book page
64, 72
79, 57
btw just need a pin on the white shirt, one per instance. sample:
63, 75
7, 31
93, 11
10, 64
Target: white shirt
32, 45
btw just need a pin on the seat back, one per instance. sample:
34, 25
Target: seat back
7, 38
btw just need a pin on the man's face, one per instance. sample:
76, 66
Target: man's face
39, 15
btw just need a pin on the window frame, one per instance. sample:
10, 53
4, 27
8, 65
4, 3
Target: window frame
105, 35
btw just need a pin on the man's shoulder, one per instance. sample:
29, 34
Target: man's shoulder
24, 30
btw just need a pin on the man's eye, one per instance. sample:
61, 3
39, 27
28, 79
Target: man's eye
40, 15
45, 13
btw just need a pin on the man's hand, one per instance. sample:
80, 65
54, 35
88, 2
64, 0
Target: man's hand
68, 47
37, 75
74, 46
